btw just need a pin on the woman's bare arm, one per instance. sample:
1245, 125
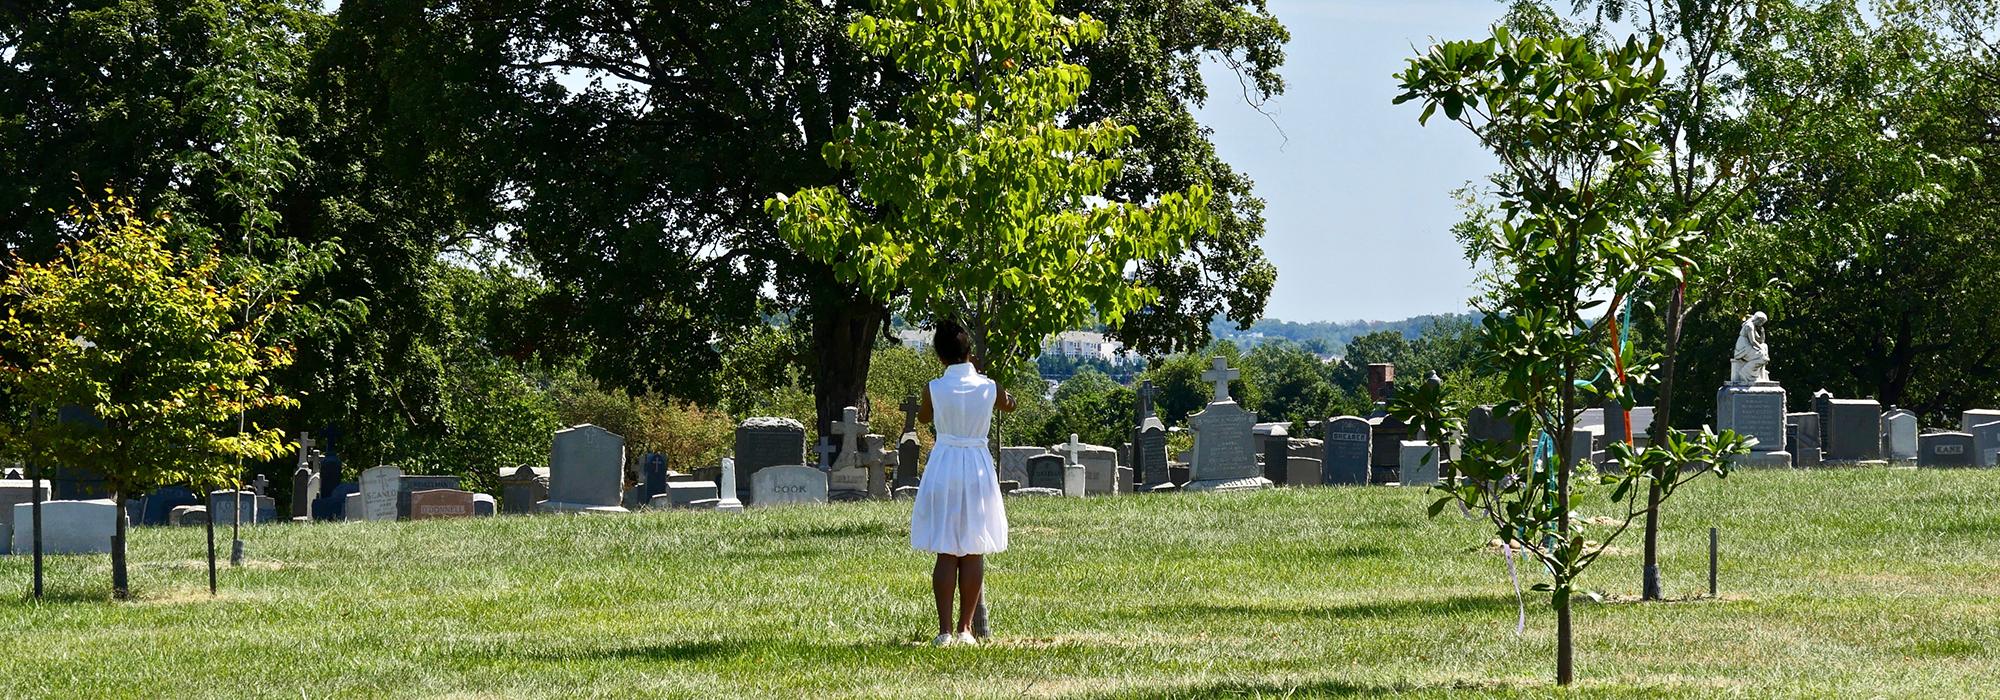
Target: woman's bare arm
925, 413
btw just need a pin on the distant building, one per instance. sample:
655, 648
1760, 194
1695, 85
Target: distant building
916, 339
1075, 344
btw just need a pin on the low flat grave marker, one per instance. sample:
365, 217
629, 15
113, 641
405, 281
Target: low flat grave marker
787, 484
430, 504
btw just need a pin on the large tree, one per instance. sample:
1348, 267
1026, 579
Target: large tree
638, 141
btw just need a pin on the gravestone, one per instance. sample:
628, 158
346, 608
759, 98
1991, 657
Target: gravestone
1045, 471
522, 488
305, 483
430, 504
222, 507
1976, 417
1802, 457
187, 515
1150, 453
68, 527
356, 509
1014, 462
1074, 477
1854, 430
412, 483
1100, 469
909, 453
155, 508
1302, 471
1346, 459
1985, 439
1417, 463
1946, 450
586, 471
379, 490
1755, 410
726, 500
1807, 433
484, 504
1822, 405
1642, 425
848, 477
1225, 452
14, 492
652, 476
1583, 443
1615, 423
1277, 449
766, 442
1899, 435
684, 494
876, 459
1385, 447
787, 484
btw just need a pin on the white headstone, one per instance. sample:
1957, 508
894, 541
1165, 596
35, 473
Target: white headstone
728, 502
379, 490
783, 485
1418, 463
68, 527
1899, 434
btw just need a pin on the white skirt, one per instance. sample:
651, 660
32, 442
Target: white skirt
958, 510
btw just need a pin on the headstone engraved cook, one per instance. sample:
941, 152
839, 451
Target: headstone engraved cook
786, 485
1225, 455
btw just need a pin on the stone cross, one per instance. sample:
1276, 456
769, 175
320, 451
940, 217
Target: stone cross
260, 485
1146, 394
306, 446
1074, 478
1075, 446
825, 450
850, 428
910, 408
1220, 375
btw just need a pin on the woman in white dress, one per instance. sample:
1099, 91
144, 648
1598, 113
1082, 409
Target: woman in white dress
958, 513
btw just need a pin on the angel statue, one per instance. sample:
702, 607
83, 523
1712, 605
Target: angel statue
1749, 365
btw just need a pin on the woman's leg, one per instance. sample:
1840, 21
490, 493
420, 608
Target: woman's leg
971, 577
942, 577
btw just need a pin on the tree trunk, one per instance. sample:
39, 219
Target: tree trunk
1565, 663
1662, 423
121, 586
843, 343
210, 527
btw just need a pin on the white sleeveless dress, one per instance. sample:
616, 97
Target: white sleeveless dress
958, 509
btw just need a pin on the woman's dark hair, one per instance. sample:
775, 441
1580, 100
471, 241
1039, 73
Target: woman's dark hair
952, 343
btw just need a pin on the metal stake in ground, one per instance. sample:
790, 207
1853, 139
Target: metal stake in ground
236, 528
209, 525
1712, 537
35, 493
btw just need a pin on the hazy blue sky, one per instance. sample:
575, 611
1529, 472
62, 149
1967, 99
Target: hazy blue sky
1359, 205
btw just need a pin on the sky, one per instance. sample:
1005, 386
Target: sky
1358, 196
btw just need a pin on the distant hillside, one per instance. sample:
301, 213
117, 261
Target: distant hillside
1330, 335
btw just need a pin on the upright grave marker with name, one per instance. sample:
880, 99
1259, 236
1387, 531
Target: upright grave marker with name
1946, 450
379, 490
1225, 454
1854, 433
786, 485
440, 503
1899, 435
1045, 471
1348, 458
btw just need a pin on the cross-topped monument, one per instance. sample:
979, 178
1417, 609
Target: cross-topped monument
1220, 375
1146, 394
910, 407
850, 429
825, 450
306, 446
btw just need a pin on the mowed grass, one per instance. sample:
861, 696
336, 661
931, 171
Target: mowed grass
1842, 583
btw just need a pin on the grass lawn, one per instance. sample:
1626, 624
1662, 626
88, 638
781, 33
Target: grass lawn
1845, 583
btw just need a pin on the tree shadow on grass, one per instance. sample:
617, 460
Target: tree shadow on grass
674, 651
838, 531
1374, 610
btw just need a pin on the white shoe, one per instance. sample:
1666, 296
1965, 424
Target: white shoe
965, 639
944, 640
